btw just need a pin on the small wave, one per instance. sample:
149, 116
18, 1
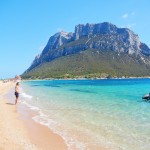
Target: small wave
26, 95
44, 119
51, 124
34, 108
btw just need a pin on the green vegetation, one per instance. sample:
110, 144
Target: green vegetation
91, 63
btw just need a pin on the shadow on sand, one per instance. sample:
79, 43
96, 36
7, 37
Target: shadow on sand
10, 104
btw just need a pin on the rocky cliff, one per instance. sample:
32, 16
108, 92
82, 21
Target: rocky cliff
102, 37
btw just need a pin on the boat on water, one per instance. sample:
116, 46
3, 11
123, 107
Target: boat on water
146, 97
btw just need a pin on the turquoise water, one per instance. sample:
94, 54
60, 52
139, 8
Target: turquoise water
90, 114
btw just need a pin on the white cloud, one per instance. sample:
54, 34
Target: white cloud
125, 16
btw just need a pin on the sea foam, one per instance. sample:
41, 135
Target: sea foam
26, 95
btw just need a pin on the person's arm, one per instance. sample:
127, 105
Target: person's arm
17, 89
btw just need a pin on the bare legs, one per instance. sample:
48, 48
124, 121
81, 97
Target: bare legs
16, 100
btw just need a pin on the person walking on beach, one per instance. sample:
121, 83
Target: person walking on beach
17, 90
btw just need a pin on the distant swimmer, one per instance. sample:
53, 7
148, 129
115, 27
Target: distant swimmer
17, 91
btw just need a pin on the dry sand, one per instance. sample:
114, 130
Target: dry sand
20, 133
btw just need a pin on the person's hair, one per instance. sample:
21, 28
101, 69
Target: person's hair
17, 83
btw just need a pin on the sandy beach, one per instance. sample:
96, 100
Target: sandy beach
19, 132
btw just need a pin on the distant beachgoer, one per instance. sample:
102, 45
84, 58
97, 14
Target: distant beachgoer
17, 90
17, 78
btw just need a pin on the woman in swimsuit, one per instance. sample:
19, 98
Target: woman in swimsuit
17, 92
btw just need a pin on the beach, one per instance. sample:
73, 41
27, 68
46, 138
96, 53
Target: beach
18, 131
75, 115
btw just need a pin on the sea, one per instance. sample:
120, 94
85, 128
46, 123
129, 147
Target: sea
92, 114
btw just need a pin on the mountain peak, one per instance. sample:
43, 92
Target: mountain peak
62, 33
99, 28
101, 37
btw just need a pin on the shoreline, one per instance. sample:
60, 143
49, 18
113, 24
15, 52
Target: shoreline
86, 78
17, 129
39, 134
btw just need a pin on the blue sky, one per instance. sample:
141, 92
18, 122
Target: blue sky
26, 25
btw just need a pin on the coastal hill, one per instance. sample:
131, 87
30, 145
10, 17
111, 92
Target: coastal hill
93, 50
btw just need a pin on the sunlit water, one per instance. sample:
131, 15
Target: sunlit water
90, 114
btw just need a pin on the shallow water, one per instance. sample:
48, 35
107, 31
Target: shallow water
90, 114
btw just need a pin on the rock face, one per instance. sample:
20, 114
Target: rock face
92, 29
57, 40
102, 36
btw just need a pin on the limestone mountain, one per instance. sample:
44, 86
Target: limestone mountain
120, 45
